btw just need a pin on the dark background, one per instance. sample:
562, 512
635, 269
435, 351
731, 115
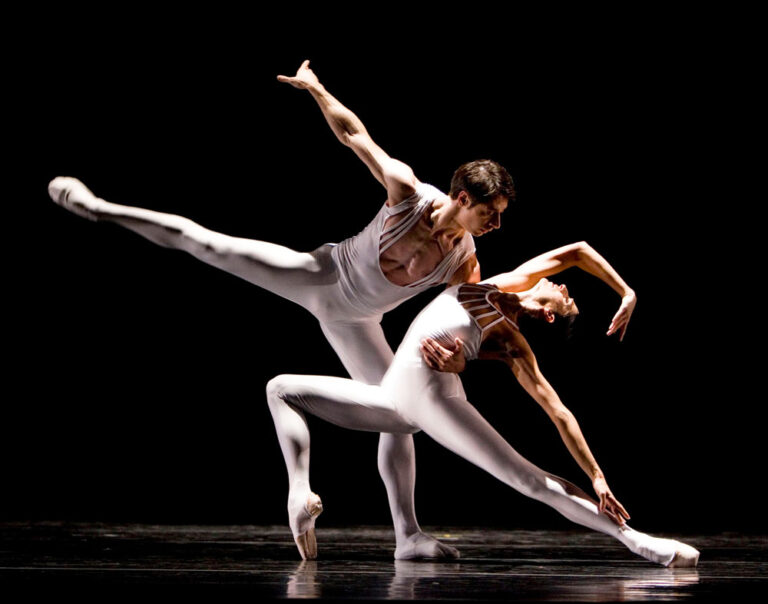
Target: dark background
135, 375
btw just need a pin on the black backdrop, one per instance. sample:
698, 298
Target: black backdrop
135, 375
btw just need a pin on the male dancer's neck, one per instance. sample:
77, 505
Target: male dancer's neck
443, 218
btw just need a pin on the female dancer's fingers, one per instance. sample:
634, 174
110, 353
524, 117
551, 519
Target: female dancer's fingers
622, 510
618, 510
624, 330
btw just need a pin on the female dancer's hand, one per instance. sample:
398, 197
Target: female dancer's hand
621, 318
304, 78
440, 358
608, 503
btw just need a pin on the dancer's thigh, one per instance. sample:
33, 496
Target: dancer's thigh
341, 401
306, 278
436, 403
362, 348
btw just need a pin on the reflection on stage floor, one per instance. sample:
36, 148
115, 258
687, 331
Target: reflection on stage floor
357, 563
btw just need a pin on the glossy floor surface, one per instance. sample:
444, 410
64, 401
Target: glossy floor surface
357, 563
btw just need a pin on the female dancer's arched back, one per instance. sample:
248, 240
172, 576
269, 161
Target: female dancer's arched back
414, 397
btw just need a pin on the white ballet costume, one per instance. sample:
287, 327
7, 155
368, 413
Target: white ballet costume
342, 285
413, 397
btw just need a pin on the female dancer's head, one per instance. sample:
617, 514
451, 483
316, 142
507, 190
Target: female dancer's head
545, 301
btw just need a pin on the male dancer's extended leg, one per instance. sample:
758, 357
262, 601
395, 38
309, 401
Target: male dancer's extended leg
285, 272
366, 355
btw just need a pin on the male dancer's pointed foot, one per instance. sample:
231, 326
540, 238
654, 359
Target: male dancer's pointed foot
685, 557
302, 521
421, 546
73, 195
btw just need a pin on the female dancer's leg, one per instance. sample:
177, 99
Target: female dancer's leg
443, 412
348, 404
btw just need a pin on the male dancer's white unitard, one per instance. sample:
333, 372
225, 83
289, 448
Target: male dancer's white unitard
420, 238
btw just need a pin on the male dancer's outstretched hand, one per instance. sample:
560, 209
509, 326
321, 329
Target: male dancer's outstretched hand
304, 78
608, 503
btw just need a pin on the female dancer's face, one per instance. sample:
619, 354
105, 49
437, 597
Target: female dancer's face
554, 297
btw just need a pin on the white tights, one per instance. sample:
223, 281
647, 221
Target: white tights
306, 278
414, 398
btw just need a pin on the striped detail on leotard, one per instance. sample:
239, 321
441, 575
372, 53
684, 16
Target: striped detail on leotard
474, 299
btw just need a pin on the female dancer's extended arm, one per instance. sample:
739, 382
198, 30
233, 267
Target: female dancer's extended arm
394, 175
580, 255
526, 370
525, 276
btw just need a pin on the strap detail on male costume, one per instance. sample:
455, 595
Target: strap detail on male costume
393, 233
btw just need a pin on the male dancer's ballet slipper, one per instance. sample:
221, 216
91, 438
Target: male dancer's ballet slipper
685, 557
421, 546
73, 195
306, 540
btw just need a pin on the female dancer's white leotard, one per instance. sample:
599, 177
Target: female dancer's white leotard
413, 397
446, 318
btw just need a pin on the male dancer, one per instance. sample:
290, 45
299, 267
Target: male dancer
420, 238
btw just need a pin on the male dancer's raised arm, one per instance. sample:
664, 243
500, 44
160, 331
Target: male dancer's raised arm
396, 177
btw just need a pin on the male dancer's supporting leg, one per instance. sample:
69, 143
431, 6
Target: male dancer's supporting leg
366, 355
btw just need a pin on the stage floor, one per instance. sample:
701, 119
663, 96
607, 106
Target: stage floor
357, 563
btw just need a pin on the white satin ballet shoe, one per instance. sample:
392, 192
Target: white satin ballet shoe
685, 557
304, 531
73, 195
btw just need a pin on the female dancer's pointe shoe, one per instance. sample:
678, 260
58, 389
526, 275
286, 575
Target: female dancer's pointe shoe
685, 557
303, 527
73, 195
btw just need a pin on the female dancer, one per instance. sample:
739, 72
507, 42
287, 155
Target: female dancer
413, 397
419, 238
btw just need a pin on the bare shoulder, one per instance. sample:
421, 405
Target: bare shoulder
400, 181
508, 345
468, 272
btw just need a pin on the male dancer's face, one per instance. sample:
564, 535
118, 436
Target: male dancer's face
482, 218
